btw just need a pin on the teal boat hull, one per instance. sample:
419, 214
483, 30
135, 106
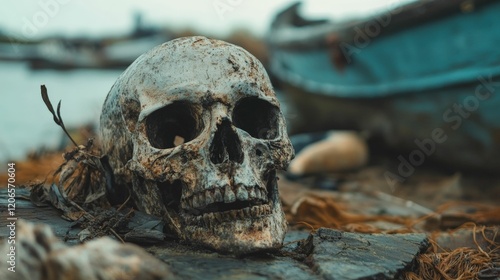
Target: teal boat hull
431, 90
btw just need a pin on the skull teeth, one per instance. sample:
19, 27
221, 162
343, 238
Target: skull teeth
258, 193
205, 201
252, 193
233, 214
220, 217
217, 196
197, 201
229, 195
255, 211
209, 198
241, 193
208, 218
227, 199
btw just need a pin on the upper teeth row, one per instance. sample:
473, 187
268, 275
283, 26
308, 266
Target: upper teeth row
226, 194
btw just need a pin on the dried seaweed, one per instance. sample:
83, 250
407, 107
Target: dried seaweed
482, 257
456, 213
460, 263
314, 211
81, 177
80, 182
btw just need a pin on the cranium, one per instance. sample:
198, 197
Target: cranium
194, 132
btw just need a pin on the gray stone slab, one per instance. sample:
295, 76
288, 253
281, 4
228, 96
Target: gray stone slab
342, 255
191, 263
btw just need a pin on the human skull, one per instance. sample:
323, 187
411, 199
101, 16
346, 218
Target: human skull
194, 132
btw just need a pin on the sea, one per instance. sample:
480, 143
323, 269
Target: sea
26, 125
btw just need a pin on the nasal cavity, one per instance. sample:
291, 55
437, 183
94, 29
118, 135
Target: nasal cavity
226, 145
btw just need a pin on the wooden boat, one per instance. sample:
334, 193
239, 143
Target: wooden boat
423, 77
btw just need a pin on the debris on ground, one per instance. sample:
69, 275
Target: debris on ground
41, 255
339, 151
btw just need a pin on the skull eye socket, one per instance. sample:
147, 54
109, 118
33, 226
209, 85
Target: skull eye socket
257, 117
172, 125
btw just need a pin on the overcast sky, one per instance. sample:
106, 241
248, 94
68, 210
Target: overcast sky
37, 18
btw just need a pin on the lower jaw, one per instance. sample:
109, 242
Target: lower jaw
241, 236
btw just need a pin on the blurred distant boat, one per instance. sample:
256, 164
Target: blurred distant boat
14, 51
87, 52
424, 77
111, 52
67, 54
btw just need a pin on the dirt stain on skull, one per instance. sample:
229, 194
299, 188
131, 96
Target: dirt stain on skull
131, 112
235, 66
208, 100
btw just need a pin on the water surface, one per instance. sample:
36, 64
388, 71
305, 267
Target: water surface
25, 122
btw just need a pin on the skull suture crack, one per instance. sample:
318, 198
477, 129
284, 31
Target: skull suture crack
194, 132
